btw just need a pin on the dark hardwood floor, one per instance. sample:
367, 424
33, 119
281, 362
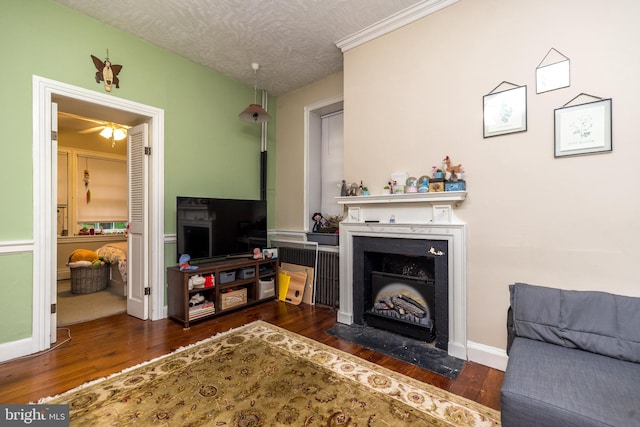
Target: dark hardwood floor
109, 345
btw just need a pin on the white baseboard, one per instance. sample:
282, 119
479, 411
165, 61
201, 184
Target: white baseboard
64, 274
13, 349
485, 355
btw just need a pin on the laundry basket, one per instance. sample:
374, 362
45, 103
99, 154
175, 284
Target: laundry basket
89, 279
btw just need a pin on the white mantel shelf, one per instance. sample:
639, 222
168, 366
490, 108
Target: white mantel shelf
411, 208
436, 197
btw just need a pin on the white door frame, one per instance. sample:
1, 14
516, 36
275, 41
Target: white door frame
44, 241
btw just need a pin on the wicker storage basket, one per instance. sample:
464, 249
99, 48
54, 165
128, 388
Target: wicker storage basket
86, 280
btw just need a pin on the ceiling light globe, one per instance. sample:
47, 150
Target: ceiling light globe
106, 132
119, 134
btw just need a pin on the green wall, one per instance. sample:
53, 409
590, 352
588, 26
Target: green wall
209, 151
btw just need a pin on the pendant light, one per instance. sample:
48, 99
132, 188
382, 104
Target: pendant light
254, 113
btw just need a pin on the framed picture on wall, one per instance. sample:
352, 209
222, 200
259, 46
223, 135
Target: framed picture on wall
553, 72
583, 128
505, 112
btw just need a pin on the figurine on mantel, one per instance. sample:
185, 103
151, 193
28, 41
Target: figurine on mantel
353, 190
451, 169
454, 177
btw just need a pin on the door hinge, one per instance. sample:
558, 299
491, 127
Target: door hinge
54, 308
147, 151
147, 291
54, 135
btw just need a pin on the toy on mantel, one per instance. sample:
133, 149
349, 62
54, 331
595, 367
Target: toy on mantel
451, 170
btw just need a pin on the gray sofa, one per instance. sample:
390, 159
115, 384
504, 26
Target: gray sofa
574, 359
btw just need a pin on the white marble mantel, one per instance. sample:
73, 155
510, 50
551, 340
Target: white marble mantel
411, 208
427, 216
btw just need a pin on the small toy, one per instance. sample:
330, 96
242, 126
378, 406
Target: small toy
184, 263
319, 222
209, 281
195, 300
86, 255
198, 281
451, 169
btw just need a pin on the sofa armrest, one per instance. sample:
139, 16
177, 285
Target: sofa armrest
511, 329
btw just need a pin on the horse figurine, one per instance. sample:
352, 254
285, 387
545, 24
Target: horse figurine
451, 169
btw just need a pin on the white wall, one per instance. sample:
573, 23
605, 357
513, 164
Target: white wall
415, 95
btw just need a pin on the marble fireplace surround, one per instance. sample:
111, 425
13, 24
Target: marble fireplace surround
427, 216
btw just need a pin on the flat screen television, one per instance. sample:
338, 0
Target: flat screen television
210, 228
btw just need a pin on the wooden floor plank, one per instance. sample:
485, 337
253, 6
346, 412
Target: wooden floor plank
105, 346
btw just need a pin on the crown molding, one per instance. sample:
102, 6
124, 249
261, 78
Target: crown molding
398, 20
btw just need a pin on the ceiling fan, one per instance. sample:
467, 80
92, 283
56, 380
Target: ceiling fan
113, 131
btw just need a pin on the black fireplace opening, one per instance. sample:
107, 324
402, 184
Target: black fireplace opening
401, 286
402, 304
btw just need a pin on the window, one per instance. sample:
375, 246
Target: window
324, 158
101, 189
331, 162
107, 182
106, 227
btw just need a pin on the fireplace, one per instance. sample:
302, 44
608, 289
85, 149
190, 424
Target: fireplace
400, 285
402, 304
426, 245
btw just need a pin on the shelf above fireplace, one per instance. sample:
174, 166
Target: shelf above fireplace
437, 197
412, 208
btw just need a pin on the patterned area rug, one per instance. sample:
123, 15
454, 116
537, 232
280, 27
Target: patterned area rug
262, 375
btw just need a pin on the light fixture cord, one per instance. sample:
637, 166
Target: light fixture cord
255, 86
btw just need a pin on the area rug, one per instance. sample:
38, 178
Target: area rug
262, 375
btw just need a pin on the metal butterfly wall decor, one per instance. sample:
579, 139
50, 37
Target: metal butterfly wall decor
107, 72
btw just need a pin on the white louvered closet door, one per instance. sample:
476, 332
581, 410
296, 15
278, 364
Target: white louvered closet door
138, 256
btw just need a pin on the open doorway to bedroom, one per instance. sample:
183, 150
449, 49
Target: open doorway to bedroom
145, 287
92, 217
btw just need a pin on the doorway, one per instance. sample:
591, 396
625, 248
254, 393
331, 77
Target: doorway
92, 183
45, 217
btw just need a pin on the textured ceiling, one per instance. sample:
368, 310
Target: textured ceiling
294, 41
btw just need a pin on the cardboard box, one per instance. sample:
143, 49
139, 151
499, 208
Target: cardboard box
233, 298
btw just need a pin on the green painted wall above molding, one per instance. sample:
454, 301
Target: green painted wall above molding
208, 150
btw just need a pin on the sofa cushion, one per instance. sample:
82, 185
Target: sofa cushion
550, 385
588, 320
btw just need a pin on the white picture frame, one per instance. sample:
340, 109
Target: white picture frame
583, 129
505, 112
553, 76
